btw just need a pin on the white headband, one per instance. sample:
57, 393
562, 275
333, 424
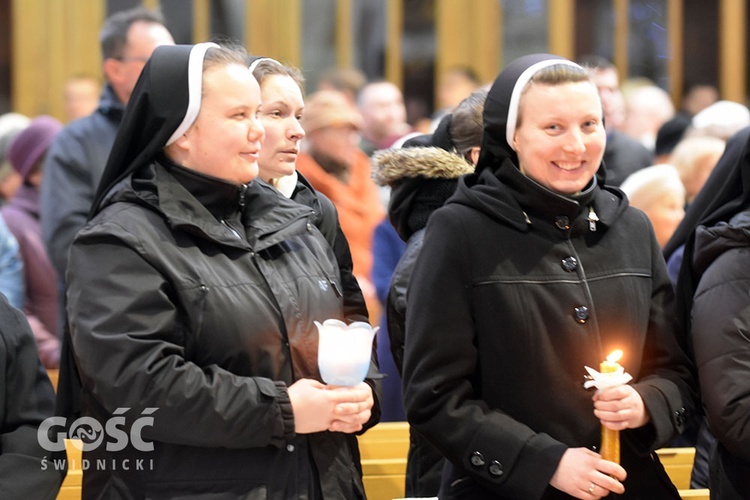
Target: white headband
195, 79
255, 63
515, 97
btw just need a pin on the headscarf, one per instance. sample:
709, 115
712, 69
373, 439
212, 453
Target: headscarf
500, 114
725, 193
164, 104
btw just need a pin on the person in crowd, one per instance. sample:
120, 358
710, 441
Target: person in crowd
669, 136
721, 119
455, 84
75, 161
80, 96
11, 267
282, 93
712, 291
623, 155
422, 179
658, 191
26, 154
336, 167
203, 301
524, 272
725, 179
348, 81
695, 158
647, 108
698, 97
76, 158
387, 249
26, 469
381, 104
11, 124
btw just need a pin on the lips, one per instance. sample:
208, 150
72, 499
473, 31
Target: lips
568, 166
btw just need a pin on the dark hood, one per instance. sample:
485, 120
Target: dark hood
711, 242
506, 195
421, 180
161, 101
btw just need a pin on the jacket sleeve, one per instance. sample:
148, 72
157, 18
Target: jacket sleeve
11, 267
721, 342
667, 381
355, 308
129, 339
26, 469
440, 372
67, 192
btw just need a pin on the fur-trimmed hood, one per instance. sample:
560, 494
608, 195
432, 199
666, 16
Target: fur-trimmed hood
389, 166
421, 180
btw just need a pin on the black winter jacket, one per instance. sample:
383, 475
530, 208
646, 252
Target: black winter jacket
516, 290
721, 346
200, 304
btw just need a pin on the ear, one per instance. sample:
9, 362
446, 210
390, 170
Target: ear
474, 155
179, 149
112, 69
515, 142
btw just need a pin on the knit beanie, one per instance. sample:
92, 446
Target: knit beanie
29, 146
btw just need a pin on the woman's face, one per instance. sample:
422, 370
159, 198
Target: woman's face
560, 140
280, 114
226, 137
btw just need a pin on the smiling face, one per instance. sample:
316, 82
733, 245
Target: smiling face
225, 139
280, 114
560, 138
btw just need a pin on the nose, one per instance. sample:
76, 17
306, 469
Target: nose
296, 131
574, 142
255, 131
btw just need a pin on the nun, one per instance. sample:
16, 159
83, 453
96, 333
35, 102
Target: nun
193, 292
532, 271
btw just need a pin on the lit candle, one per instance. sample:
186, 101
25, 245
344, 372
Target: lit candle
611, 438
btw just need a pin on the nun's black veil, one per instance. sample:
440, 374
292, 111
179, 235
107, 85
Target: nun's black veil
156, 108
725, 193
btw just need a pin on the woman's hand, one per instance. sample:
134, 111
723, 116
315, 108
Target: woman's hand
584, 474
352, 415
318, 407
620, 408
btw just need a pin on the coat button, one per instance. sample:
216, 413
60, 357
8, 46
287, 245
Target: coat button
309, 227
496, 468
562, 222
570, 264
581, 314
477, 459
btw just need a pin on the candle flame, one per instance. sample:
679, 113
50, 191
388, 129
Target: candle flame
614, 356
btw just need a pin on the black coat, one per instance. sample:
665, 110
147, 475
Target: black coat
517, 290
27, 470
721, 346
182, 315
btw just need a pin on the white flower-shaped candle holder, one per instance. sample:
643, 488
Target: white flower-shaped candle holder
344, 351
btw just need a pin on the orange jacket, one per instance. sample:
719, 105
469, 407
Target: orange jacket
357, 202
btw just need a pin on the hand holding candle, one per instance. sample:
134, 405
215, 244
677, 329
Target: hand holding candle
610, 374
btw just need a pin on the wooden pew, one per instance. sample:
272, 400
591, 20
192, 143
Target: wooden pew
71, 486
702, 494
678, 463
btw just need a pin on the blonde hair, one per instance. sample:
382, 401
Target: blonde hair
556, 74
